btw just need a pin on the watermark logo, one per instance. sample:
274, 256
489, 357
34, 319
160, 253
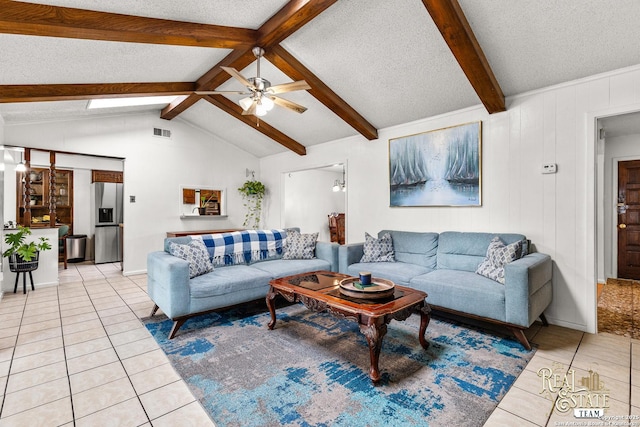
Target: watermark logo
586, 396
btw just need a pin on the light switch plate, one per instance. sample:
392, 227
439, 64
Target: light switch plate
549, 168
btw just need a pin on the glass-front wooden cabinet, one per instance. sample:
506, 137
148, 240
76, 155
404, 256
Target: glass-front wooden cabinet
44, 200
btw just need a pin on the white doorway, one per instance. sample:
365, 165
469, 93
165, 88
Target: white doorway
617, 140
309, 198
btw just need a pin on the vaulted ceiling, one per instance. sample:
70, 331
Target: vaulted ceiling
371, 64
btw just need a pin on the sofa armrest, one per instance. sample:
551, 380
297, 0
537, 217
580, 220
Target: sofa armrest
349, 254
168, 283
328, 251
523, 279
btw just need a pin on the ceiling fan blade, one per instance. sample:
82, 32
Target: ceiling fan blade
251, 110
289, 87
221, 92
234, 73
288, 104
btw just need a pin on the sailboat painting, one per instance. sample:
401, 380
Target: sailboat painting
437, 168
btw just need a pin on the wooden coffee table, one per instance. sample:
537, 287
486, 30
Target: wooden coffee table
319, 291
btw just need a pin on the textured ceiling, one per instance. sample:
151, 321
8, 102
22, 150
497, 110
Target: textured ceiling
384, 58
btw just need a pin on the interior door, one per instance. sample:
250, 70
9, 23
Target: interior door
629, 219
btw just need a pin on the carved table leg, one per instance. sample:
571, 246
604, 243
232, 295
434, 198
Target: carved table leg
425, 317
272, 308
374, 334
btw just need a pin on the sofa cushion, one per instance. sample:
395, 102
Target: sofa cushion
399, 273
282, 268
498, 255
414, 247
466, 250
463, 291
300, 246
231, 279
378, 250
195, 253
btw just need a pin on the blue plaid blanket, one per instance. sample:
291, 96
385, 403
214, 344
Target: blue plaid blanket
243, 247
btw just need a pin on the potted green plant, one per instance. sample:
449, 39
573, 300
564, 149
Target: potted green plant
252, 194
24, 256
202, 210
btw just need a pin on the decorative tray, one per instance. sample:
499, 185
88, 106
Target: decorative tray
379, 288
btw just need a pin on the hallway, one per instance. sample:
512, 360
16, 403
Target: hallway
619, 308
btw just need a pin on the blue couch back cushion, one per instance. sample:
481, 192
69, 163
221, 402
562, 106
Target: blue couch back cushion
178, 240
466, 250
414, 248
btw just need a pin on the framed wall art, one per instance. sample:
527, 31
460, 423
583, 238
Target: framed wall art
442, 167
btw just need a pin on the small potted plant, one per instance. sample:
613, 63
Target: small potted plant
202, 210
24, 256
252, 193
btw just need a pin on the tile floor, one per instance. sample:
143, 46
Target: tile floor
77, 355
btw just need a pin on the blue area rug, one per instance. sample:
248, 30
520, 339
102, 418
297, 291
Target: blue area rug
312, 370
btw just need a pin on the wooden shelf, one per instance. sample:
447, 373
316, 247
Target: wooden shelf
42, 192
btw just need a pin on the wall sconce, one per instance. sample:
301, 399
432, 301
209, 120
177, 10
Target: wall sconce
21, 167
337, 186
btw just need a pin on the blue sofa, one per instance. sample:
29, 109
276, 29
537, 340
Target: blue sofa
443, 265
181, 298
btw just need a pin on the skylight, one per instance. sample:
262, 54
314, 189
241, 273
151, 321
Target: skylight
130, 102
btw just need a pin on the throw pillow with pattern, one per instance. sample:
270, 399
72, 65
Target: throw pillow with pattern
378, 250
498, 255
196, 254
300, 246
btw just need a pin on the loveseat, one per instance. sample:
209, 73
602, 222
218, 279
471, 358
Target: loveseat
240, 274
444, 266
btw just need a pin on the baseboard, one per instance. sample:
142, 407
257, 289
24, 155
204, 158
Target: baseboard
134, 273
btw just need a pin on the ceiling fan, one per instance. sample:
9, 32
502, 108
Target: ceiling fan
262, 96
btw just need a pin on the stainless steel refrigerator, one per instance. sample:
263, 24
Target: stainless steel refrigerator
108, 218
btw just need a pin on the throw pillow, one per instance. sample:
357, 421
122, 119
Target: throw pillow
378, 250
498, 255
196, 254
300, 246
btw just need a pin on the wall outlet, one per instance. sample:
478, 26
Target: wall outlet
132, 199
549, 168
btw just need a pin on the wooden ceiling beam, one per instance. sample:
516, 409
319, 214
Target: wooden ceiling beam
213, 78
293, 68
54, 21
293, 16
68, 92
238, 59
264, 128
454, 27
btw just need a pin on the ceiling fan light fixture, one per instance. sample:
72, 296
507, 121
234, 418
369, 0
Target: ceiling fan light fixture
245, 103
267, 103
260, 109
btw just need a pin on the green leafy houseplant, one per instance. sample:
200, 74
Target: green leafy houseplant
24, 251
252, 194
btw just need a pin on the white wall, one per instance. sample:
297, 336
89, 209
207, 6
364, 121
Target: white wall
309, 199
2, 154
616, 149
154, 170
557, 212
